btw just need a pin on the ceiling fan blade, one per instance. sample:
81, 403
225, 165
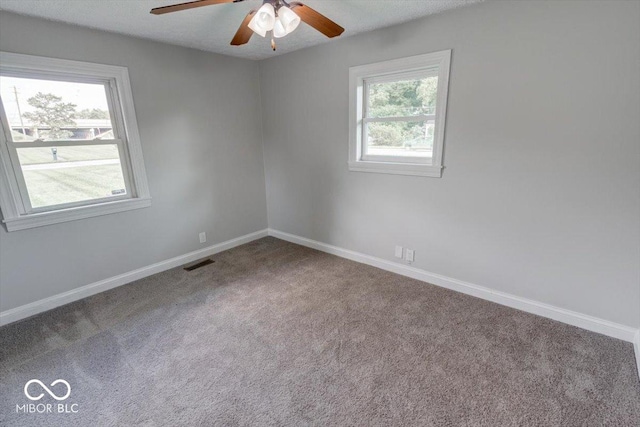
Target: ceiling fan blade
189, 5
244, 33
317, 20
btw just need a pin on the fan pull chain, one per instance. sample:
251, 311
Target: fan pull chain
273, 44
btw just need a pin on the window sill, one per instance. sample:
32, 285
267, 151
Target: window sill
47, 218
396, 168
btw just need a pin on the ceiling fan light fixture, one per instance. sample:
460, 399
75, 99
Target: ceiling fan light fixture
263, 20
278, 28
290, 20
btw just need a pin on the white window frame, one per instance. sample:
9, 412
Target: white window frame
17, 212
431, 64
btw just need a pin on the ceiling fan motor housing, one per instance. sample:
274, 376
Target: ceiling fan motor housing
277, 16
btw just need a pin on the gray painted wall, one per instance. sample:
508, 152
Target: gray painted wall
541, 193
200, 126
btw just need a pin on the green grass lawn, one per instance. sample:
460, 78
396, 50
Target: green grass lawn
56, 186
60, 185
40, 155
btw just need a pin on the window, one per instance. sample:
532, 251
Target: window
69, 144
397, 115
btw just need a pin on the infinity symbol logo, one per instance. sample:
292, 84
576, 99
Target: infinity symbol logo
52, 394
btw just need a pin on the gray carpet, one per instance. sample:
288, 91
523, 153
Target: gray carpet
277, 334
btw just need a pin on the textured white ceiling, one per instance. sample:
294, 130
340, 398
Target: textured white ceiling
211, 28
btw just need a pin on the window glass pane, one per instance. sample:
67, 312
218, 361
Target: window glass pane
403, 98
54, 110
61, 175
400, 139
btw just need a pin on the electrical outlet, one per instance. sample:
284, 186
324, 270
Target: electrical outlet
399, 252
409, 255
203, 237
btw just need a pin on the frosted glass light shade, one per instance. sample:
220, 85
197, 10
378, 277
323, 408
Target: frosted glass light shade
263, 20
278, 29
290, 20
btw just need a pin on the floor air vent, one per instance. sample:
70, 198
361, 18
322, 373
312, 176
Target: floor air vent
199, 264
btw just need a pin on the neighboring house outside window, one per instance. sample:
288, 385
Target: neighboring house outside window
397, 115
69, 146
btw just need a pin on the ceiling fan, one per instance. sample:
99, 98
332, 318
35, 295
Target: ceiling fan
277, 16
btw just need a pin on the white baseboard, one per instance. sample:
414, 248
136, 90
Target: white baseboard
573, 318
636, 346
27, 310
